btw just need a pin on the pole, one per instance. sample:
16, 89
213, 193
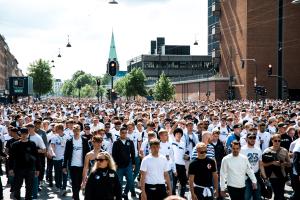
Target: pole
279, 47
255, 84
111, 92
98, 94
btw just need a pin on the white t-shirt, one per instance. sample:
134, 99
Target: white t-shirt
167, 151
50, 136
60, 146
296, 149
134, 136
97, 127
38, 141
254, 155
68, 132
265, 137
179, 151
77, 153
223, 134
3, 132
272, 129
145, 147
154, 168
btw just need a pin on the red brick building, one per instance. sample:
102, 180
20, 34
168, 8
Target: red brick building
8, 66
248, 29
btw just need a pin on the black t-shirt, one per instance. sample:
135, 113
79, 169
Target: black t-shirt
286, 141
203, 169
9, 144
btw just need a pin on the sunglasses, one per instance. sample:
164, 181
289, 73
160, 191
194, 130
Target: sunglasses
276, 141
201, 152
100, 159
96, 141
252, 138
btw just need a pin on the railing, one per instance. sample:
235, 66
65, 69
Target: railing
211, 73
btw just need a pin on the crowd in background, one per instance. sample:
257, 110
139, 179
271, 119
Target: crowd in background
209, 149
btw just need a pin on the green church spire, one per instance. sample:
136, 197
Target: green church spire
112, 50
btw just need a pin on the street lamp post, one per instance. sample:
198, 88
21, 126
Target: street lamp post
279, 46
255, 77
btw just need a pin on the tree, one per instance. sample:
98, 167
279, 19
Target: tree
105, 79
40, 71
82, 80
77, 74
121, 86
67, 88
163, 89
102, 91
136, 83
88, 91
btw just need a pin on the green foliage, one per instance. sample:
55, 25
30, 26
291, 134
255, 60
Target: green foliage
136, 83
40, 71
77, 74
163, 89
82, 80
88, 91
133, 84
150, 92
105, 79
120, 86
84, 84
68, 88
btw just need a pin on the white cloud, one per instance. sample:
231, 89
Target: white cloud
36, 29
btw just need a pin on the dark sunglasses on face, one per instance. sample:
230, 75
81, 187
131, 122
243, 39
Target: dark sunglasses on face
100, 159
201, 152
276, 141
252, 138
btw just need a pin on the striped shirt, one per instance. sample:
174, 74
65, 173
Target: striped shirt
210, 152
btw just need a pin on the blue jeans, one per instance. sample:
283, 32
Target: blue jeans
137, 167
127, 172
171, 175
35, 188
60, 177
249, 192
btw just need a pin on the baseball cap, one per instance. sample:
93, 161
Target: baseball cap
281, 124
237, 126
23, 130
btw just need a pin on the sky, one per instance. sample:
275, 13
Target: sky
36, 29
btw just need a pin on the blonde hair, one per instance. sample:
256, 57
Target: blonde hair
111, 162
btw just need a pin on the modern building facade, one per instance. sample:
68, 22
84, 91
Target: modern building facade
8, 65
253, 35
213, 23
174, 60
57, 86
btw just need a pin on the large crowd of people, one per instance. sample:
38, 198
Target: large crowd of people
211, 150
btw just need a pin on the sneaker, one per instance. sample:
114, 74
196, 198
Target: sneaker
63, 192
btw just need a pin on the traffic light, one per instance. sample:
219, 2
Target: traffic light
269, 70
112, 68
98, 82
